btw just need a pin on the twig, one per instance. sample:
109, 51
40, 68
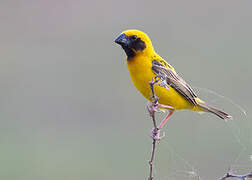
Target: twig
231, 175
155, 130
152, 158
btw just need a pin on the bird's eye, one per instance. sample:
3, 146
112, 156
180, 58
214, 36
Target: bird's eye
134, 37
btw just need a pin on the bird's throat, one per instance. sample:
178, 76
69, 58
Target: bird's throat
129, 52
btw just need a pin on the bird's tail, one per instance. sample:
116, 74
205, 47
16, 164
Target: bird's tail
208, 108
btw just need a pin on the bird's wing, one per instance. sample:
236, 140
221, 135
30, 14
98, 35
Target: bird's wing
175, 81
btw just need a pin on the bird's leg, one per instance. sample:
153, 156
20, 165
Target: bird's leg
152, 108
171, 110
155, 107
165, 119
156, 131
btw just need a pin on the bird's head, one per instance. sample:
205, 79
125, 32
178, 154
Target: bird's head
134, 42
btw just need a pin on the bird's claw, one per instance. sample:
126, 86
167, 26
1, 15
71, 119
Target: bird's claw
153, 107
156, 134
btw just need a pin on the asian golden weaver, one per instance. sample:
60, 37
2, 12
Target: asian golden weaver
144, 64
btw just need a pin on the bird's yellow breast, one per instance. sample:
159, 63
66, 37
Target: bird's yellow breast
140, 70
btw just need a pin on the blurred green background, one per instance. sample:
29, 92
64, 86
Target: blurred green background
68, 109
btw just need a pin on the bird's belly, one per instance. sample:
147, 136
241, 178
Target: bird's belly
171, 97
141, 76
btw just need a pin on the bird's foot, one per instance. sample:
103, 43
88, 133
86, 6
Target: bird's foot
156, 134
153, 107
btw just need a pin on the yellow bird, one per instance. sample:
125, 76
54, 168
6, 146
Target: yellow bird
172, 91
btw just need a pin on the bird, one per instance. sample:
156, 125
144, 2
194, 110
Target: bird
147, 68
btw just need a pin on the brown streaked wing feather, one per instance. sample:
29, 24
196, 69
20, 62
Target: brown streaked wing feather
175, 81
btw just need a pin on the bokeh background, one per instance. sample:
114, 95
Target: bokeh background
68, 109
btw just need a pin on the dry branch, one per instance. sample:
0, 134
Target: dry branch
231, 175
156, 131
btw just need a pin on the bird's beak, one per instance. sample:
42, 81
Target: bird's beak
123, 40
